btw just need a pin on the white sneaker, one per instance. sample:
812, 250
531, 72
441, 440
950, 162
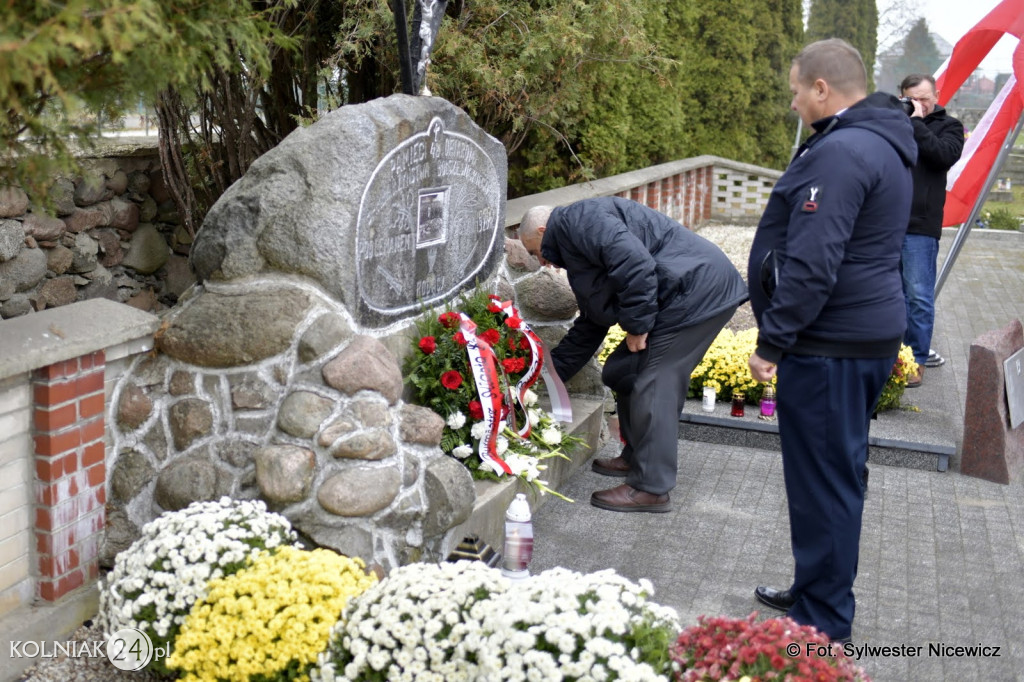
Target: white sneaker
934, 359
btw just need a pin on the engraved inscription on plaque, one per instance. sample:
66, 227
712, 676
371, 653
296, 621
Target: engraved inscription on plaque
428, 220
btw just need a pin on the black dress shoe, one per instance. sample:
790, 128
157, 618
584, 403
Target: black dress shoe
776, 599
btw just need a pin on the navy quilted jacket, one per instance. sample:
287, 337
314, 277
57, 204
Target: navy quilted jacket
631, 265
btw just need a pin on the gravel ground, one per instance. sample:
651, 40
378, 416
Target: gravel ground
83, 669
734, 240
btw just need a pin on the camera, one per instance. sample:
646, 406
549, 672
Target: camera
908, 105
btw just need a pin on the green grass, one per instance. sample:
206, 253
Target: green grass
1013, 208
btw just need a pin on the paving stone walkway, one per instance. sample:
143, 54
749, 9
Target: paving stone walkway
942, 555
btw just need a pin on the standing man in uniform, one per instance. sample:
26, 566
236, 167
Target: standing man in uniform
825, 288
671, 290
940, 141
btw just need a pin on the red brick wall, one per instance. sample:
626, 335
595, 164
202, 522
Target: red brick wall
68, 400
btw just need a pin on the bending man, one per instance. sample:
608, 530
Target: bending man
671, 290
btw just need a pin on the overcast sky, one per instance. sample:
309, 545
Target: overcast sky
952, 18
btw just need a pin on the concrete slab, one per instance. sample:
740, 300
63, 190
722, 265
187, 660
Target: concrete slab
44, 338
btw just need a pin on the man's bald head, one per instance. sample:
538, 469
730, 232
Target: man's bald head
531, 230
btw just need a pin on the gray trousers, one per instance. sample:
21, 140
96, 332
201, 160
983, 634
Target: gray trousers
650, 389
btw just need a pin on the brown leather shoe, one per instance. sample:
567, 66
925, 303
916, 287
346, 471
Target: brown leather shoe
612, 466
916, 379
625, 498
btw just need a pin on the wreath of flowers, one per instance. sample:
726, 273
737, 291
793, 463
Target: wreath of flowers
439, 372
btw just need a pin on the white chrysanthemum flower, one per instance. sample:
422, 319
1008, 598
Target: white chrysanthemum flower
462, 451
456, 420
534, 417
551, 435
501, 445
529, 398
478, 431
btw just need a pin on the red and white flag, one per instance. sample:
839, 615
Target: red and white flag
966, 180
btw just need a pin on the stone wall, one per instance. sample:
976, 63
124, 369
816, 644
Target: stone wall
111, 232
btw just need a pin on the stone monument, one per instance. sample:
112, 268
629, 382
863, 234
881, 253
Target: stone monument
278, 375
993, 449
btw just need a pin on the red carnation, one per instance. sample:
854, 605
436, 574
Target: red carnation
493, 308
524, 343
451, 380
428, 345
449, 320
491, 336
513, 365
460, 339
493, 297
476, 410
513, 321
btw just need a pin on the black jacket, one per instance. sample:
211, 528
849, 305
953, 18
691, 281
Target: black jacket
940, 141
830, 239
631, 265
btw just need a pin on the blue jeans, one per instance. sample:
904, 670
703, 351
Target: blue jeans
918, 268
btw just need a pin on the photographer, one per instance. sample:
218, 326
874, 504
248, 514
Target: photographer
940, 140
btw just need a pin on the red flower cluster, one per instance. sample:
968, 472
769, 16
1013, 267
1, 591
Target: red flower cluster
513, 365
449, 320
514, 321
451, 380
459, 338
729, 648
491, 336
428, 344
476, 410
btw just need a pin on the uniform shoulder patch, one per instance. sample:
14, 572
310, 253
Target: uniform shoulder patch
811, 200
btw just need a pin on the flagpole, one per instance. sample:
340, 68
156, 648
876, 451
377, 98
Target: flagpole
965, 228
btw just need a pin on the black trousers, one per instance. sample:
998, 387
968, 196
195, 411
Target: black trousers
650, 388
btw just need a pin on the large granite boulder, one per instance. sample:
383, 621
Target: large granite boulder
231, 331
428, 222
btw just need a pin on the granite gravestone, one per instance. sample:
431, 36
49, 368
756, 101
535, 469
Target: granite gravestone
992, 449
388, 206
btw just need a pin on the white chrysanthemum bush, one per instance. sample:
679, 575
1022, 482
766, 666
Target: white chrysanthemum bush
464, 621
156, 581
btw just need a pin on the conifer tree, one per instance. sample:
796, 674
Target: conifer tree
65, 66
855, 21
920, 54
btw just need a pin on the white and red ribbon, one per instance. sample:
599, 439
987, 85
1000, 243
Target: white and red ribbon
561, 406
483, 365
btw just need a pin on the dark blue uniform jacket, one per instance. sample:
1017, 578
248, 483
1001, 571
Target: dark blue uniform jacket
830, 238
631, 265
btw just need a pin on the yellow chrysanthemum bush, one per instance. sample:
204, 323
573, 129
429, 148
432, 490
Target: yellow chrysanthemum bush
897, 383
724, 368
268, 621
